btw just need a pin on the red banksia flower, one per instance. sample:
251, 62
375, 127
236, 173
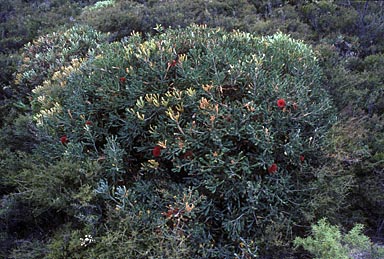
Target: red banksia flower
272, 169
281, 103
172, 63
188, 155
89, 123
302, 158
122, 80
156, 151
171, 213
64, 140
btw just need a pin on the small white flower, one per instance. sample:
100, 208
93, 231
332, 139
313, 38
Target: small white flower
87, 240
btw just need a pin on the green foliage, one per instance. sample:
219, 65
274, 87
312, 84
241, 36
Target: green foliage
19, 133
356, 141
177, 133
153, 223
23, 21
43, 195
286, 19
50, 185
333, 186
124, 17
8, 64
46, 55
119, 18
325, 243
29, 250
216, 112
355, 145
102, 4
328, 242
370, 25
355, 238
327, 16
359, 84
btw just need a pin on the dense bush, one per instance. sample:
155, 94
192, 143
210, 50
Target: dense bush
49, 53
119, 18
22, 21
123, 17
8, 63
138, 231
20, 133
159, 127
327, 17
356, 141
42, 192
284, 19
238, 119
328, 242
356, 84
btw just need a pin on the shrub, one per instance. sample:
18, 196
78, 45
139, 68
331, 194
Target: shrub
362, 156
119, 18
226, 14
355, 83
8, 64
49, 53
123, 17
326, 17
356, 141
19, 133
369, 26
137, 231
286, 19
328, 242
28, 250
22, 21
102, 4
39, 196
49, 185
238, 119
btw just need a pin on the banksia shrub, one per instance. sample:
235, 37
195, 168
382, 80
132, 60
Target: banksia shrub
47, 54
239, 119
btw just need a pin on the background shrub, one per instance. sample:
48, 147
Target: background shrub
123, 17
327, 17
138, 229
119, 18
59, 192
327, 241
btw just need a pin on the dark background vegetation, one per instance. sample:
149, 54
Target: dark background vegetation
348, 39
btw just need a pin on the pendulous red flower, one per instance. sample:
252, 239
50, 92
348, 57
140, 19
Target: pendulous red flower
172, 63
171, 213
281, 103
156, 151
188, 155
64, 140
89, 123
122, 80
272, 169
302, 158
